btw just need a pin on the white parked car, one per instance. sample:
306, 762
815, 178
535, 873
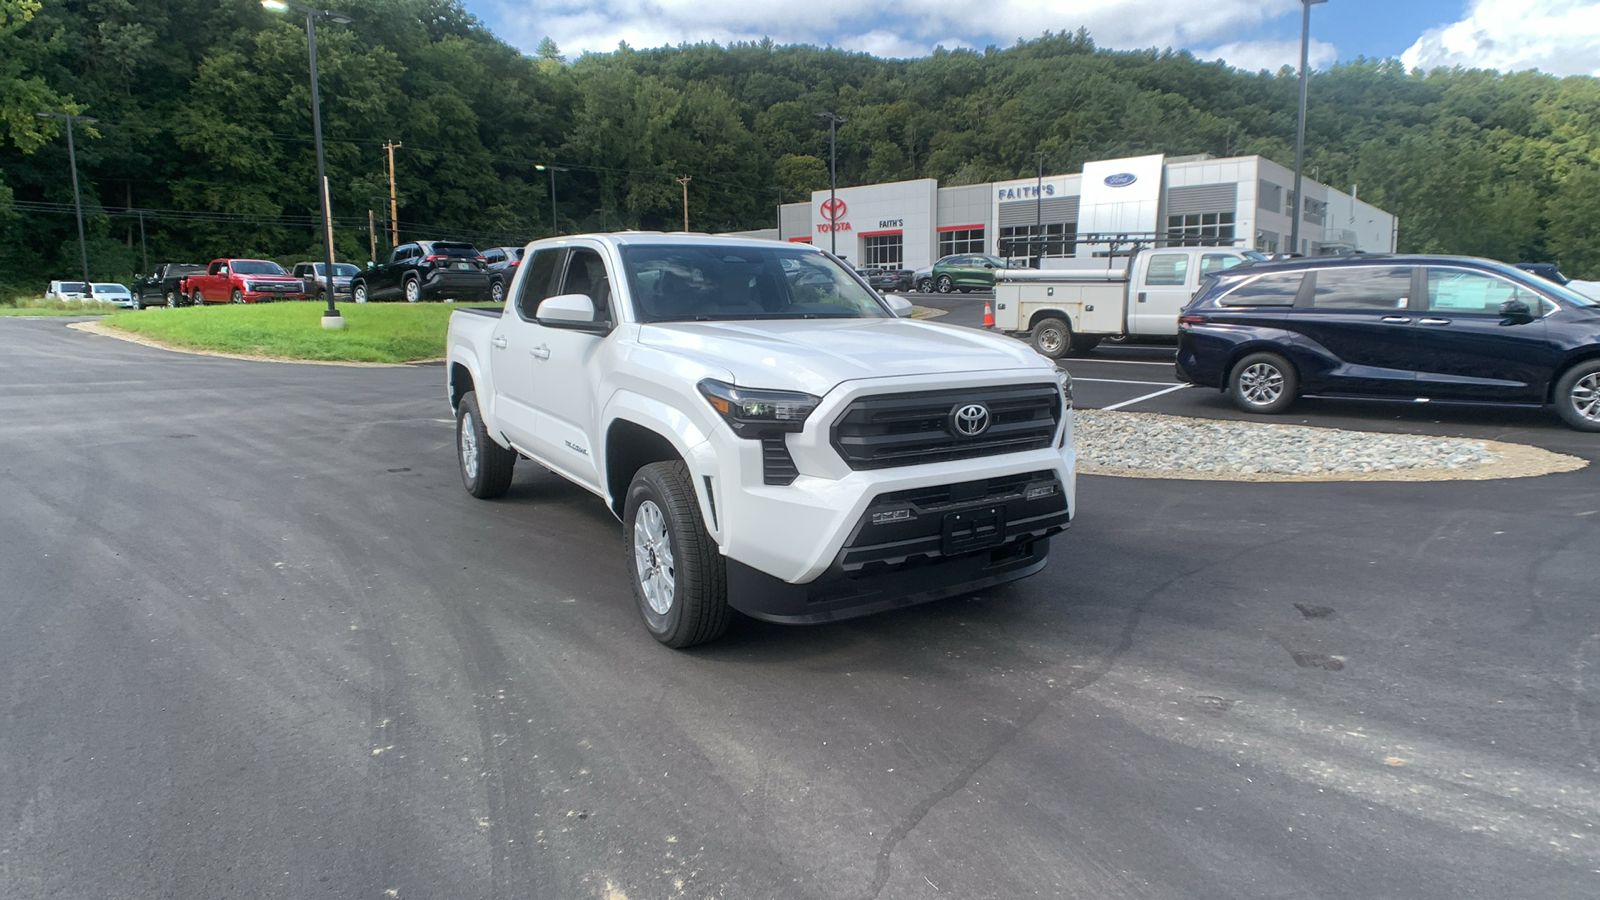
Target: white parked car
67, 290
113, 293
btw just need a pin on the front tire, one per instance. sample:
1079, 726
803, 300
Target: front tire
1577, 396
944, 284
413, 290
679, 578
358, 292
236, 297
485, 465
1263, 383
1052, 337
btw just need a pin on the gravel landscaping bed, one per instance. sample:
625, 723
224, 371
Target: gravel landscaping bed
1156, 446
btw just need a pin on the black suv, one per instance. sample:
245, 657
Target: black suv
1449, 329
425, 270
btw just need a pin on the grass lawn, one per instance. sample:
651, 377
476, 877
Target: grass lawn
373, 332
34, 306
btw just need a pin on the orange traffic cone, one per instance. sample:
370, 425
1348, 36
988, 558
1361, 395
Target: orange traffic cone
988, 314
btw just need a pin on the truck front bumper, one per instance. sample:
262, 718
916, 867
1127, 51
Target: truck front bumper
914, 546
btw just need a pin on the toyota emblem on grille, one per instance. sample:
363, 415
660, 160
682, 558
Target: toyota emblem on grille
970, 420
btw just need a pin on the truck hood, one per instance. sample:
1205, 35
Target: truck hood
815, 355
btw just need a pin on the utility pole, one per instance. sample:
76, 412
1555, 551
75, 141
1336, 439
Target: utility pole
1300, 129
685, 182
372, 236
394, 215
779, 192
555, 223
77, 200
144, 251
834, 121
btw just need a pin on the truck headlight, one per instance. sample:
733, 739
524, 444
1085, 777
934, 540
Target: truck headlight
1064, 378
752, 412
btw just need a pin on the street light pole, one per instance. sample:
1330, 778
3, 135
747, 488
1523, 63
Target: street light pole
77, 200
1300, 128
834, 121
330, 316
555, 225
1038, 207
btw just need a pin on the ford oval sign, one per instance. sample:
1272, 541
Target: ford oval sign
1121, 179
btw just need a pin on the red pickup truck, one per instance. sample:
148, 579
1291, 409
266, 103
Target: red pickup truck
241, 281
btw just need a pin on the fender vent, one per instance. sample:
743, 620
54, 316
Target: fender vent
777, 466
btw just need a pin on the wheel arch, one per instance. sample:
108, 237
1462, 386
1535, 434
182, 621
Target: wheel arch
630, 447
1240, 351
1585, 355
1041, 315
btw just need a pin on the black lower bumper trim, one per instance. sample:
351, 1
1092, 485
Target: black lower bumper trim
837, 595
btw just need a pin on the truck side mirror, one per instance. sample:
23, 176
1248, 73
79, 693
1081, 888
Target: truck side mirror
570, 311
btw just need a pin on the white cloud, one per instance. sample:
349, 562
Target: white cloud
908, 29
1561, 37
1253, 56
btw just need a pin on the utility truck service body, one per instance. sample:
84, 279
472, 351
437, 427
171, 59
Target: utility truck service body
775, 437
1076, 303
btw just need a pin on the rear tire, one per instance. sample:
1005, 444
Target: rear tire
925, 286
172, 300
413, 290
1082, 344
1263, 383
1052, 337
1577, 396
497, 292
679, 578
138, 302
486, 466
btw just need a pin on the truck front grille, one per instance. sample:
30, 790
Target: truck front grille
907, 429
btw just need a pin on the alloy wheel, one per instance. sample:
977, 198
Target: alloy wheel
652, 557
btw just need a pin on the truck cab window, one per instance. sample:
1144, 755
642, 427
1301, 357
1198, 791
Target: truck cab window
537, 282
586, 274
1167, 268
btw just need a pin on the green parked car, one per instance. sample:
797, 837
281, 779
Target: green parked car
965, 272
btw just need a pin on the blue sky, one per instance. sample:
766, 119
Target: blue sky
1557, 36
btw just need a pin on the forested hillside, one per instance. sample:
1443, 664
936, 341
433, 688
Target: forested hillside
204, 124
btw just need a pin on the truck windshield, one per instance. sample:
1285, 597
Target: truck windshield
697, 283
256, 267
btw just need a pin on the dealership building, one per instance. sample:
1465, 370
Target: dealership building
1111, 206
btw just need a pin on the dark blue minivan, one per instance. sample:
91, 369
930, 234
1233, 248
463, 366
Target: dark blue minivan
1447, 329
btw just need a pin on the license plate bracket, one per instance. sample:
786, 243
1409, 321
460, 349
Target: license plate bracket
973, 529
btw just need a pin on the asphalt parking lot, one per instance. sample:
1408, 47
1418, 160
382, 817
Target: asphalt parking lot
257, 641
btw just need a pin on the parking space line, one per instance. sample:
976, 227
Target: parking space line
1125, 362
1176, 387
1117, 381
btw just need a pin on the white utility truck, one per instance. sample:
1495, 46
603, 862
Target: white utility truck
774, 435
1075, 303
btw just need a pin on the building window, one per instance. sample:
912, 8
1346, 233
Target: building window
1315, 212
1200, 230
1025, 245
961, 240
1267, 241
884, 249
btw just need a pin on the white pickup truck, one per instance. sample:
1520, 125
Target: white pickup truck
772, 433
1072, 308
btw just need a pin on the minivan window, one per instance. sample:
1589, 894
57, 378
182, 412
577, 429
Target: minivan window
1362, 287
1460, 291
1275, 289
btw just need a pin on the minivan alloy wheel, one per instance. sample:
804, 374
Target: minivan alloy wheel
1261, 383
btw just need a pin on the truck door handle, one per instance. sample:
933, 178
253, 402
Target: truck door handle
541, 352
498, 342
1141, 296
1429, 320
1397, 320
